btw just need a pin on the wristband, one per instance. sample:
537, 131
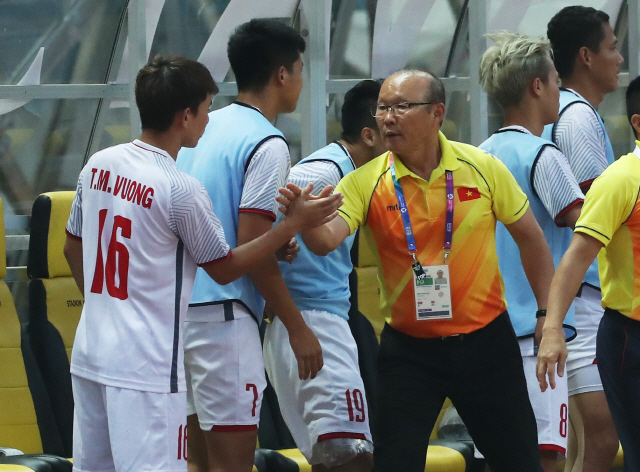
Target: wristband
541, 313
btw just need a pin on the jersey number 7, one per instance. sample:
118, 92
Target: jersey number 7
117, 259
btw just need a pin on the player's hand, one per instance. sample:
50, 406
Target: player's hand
305, 211
308, 352
288, 252
552, 352
287, 195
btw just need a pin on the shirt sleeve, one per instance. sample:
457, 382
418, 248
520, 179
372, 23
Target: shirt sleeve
320, 173
607, 206
74, 225
509, 201
267, 172
354, 204
580, 137
192, 219
555, 184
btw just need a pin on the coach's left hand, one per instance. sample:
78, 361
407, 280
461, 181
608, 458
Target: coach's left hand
552, 352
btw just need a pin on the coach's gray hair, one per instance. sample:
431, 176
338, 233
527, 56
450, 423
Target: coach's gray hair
507, 68
436, 87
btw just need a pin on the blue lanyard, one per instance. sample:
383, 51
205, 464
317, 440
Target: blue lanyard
406, 221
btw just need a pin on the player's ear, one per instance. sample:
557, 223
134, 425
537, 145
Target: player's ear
181, 117
281, 75
536, 86
367, 136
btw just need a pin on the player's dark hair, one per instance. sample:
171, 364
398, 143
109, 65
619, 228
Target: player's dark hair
258, 48
356, 109
633, 101
168, 85
571, 29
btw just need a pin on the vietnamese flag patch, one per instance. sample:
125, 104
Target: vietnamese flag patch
466, 193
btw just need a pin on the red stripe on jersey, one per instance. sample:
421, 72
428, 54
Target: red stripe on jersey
324, 437
595, 361
270, 214
559, 216
552, 447
235, 427
216, 260
73, 236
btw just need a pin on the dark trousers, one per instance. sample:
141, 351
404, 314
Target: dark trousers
618, 353
480, 372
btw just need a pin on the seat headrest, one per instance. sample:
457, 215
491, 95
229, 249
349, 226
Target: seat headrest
49, 218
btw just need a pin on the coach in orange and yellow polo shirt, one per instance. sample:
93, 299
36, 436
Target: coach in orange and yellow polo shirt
608, 227
430, 208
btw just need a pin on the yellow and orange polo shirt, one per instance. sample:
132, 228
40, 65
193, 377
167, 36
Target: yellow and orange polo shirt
485, 191
611, 215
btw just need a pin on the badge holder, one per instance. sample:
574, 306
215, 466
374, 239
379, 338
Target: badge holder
431, 283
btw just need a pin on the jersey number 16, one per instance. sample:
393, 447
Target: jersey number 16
117, 259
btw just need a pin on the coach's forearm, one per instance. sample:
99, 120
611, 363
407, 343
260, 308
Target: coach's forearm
325, 238
568, 277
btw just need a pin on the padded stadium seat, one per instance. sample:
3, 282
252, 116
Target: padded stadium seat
26, 419
55, 305
267, 460
35, 463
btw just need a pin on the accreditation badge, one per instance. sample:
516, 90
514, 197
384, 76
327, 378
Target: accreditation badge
432, 293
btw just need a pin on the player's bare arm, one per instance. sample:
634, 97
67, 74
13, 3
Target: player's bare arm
303, 212
268, 280
266, 274
565, 284
73, 254
569, 219
536, 258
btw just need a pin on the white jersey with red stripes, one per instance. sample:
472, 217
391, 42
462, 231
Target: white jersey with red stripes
144, 226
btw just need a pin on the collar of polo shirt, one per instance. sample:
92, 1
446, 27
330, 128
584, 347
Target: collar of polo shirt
448, 162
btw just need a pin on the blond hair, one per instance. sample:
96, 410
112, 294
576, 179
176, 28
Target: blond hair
511, 64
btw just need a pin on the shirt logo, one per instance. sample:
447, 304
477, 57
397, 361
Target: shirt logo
466, 193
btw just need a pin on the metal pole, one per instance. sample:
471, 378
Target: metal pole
137, 57
477, 46
634, 38
313, 99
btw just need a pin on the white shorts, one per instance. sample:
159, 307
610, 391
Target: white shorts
117, 429
582, 350
584, 379
225, 373
550, 408
333, 405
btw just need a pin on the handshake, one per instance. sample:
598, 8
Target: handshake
305, 211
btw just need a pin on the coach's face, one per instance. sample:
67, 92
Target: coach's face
405, 131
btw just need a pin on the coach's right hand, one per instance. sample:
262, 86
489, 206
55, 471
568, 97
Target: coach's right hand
307, 350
